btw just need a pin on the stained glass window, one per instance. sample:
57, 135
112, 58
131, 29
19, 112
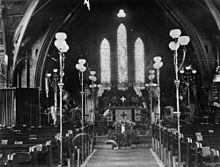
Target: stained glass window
105, 61
122, 59
122, 54
139, 61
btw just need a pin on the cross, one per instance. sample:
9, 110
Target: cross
123, 99
123, 115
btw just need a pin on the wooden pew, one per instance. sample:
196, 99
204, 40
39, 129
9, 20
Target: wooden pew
193, 153
30, 137
15, 144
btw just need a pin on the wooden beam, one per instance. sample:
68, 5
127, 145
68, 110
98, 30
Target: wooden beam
20, 31
15, 15
11, 1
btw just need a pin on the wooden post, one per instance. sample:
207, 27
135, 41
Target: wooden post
188, 143
78, 157
50, 160
198, 145
35, 157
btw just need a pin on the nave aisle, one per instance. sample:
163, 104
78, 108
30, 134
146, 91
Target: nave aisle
105, 156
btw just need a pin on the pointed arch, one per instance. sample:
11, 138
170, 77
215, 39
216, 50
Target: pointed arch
122, 54
105, 61
139, 61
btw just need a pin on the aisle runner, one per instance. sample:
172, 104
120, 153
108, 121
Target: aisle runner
106, 157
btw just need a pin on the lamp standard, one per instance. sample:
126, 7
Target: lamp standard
151, 86
188, 74
93, 78
174, 46
157, 65
62, 47
47, 81
82, 68
53, 83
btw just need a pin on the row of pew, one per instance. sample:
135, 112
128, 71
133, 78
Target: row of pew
40, 146
199, 145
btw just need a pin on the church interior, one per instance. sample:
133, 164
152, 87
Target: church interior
89, 83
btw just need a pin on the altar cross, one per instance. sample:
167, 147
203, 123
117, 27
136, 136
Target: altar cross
123, 115
123, 99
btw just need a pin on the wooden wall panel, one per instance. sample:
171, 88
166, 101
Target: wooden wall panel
19, 106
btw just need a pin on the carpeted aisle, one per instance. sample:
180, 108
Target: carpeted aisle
104, 156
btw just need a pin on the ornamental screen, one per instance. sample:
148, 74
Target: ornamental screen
139, 61
105, 61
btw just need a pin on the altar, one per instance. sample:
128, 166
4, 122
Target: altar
123, 113
131, 113
129, 126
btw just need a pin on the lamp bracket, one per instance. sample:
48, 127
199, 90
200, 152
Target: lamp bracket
60, 84
184, 57
177, 82
217, 69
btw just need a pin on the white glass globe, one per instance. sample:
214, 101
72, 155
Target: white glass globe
78, 66
175, 33
188, 67
61, 45
92, 72
183, 40
48, 74
157, 59
94, 78
65, 48
82, 61
181, 71
83, 69
151, 71
55, 70
174, 45
61, 36
158, 65
151, 77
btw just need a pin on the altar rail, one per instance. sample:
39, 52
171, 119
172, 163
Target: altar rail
19, 106
195, 151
